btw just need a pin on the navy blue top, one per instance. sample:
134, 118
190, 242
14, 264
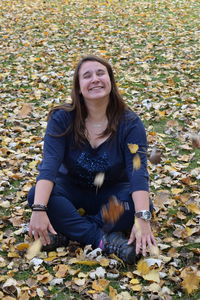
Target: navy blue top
61, 158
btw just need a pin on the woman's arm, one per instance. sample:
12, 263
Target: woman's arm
39, 222
143, 235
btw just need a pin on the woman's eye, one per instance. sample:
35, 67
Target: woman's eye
100, 73
87, 76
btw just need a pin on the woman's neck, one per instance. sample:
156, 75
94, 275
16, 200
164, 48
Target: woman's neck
96, 111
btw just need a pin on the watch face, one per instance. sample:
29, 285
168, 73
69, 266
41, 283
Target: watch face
146, 215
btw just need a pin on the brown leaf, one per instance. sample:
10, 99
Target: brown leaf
155, 156
62, 270
25, 110
196, 141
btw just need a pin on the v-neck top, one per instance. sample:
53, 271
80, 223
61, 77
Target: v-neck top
62, 159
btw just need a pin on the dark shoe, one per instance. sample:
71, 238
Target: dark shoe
116, 242
56, 241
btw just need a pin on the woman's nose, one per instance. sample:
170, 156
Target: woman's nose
95, 78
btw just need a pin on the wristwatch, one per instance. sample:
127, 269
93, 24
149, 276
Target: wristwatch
143, 214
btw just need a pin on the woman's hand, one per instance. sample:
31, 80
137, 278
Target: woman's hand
40, 226
141, 232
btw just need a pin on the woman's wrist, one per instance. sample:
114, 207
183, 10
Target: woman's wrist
39, 207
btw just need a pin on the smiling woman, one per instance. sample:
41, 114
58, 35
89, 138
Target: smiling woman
88, 138
94, 82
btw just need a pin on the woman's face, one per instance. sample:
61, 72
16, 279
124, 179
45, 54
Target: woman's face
94, 80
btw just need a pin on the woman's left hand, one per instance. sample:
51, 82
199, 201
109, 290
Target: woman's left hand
142, 234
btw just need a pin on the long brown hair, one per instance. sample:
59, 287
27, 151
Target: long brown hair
114, 111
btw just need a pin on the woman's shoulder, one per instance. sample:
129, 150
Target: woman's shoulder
61, 113
129, 115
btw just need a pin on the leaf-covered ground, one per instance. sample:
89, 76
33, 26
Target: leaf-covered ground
154, 49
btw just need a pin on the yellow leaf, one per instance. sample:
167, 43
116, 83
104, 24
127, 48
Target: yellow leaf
81, 211
191, 282
136, 162
112, 293
153, 275
154, 287
134, 281
154, 251
104, 262
48, 259
143, 267
136, 287
100, 285
194, 208
13, 254
84, 262
34, 249
133, 148
33, 164
22, 246
176, 191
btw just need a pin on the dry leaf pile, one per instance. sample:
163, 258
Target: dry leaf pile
154, 49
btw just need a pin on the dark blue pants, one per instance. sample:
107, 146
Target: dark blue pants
64, 201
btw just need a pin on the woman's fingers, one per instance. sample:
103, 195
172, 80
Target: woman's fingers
44, 236
51, 229
138, 244
132, 237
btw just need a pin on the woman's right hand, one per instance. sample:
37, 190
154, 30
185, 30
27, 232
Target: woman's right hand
40, 226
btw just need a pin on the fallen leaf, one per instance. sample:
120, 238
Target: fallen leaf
191, 282
100, 285
153, 275
62, 270
143, 267
196, 141
25, 110
34, 249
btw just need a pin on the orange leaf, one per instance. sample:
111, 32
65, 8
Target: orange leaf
113, 210
22, 246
